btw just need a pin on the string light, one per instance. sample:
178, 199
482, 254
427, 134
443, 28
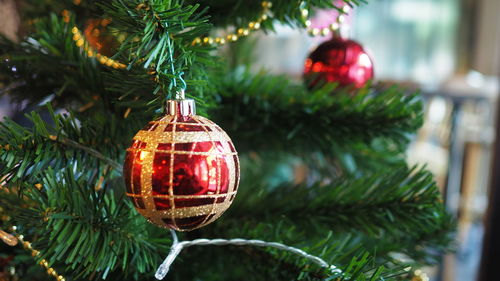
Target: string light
177, 247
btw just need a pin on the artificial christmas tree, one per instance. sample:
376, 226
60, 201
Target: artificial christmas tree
358, 213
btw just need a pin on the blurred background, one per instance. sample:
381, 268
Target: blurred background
450, 50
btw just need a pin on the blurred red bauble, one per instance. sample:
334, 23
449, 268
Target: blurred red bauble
99, 38
338, 60
181, 171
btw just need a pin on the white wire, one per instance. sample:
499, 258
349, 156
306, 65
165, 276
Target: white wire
178, 246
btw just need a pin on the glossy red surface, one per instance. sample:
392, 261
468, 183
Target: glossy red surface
338, 60
192, 174
185, 174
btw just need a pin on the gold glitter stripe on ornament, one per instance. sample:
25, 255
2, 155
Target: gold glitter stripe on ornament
171, 174
240, 31
147, 175
207, 153
226, 145
34, 253
233, 181
158, 137
217, 176
80, 42
185, 196
215, 217
232, 185
168, 119
207, 123
334, 27
184, 212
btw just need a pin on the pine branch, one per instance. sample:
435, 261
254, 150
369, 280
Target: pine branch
349, 141
266, 105
222, 12
28, 152
166, 29
61, 212
278, 265
226, 13
402, 206
93, 152
87, 231
50, 67
36, 9
398, 201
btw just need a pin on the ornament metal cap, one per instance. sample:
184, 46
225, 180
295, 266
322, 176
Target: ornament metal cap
181, 106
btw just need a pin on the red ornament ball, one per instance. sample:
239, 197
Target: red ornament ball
338, 60
181, 171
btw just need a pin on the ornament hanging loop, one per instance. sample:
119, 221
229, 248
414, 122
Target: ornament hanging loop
181, 105
180, 95
180, 92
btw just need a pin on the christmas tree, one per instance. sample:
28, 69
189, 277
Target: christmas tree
325, 190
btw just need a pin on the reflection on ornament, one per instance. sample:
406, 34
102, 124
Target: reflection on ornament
338, 60
182, 171
143, 155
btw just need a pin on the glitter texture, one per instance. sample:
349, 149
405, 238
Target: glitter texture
181, 172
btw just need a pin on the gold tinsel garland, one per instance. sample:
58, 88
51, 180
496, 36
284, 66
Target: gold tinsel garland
82, 42
14, 238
